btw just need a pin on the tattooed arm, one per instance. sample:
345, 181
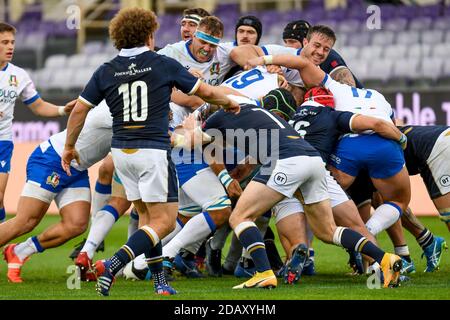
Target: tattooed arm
343, 75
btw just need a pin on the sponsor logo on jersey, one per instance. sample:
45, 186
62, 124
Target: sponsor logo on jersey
13, 81
215, 68
132, 71
53, 180
3, 163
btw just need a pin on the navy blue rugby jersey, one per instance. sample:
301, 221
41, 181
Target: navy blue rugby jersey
321, 127
137, 85
421, 140
334, 61
260, 134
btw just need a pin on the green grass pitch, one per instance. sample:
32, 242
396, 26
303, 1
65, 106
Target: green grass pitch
45, 276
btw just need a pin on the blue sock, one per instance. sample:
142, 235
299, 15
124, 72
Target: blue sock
252, 240
103, 188
2, 214
142, 241
354, 241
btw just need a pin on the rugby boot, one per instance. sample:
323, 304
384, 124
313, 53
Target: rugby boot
266, 280
14, 264
433, 253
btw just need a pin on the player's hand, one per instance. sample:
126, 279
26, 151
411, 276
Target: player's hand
196, 73
282, 82
191, 122
69, 106
234, 190
251, 63
403, 141
232, 106
242, 171
68, 155
271, 68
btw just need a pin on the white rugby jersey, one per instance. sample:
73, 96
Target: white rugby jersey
213, 71
291, 75
94, 142
14, 82
363, 101
253, 83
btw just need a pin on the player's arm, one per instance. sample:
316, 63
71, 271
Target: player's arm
182, 99
43, 108
343, 75
386, 129
311, 75
241, 54
232, 186
215, 95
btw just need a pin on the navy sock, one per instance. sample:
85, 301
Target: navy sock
354, 241
2, 214
155, 264
425, 238
251, 240
140, 242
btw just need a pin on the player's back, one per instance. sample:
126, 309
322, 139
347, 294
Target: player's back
321, 126
253, 83
258, 130
94, 141
421, 140
137, 86
368, 102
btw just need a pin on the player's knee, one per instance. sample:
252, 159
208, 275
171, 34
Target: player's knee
220, 217
105, 173
76, 228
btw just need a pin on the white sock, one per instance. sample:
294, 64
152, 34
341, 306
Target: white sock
27, 248
178, 226
133, 223
196, 229
402, 250
195, 246
384, 217
100, 198
101, 225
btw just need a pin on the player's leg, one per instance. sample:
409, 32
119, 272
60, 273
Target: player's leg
146, 174
103, 186
401, 248
6, 149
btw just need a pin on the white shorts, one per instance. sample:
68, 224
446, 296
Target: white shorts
302, 173
146, 174
438, 183
62, 198
291, 206
203, 192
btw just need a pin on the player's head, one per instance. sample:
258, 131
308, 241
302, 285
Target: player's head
133, 27
189, 22
248, 30
320, 95
7, 42
281, 102
206, 38
318, 43
295, 32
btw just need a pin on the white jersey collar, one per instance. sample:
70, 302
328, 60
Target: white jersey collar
133, 51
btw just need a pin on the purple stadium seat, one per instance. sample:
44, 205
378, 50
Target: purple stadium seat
423, 23
359, 39
398, 24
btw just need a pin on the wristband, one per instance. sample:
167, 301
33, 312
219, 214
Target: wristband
402, 139
61, 111
268, 59
225, 178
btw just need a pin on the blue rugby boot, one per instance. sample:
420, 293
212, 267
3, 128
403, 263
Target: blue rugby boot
184, 262
105, 279
294, 266
407, 266
245, 268
309, 268
165, 290
433, 253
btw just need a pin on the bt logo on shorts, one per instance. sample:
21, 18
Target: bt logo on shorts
445, 180
280, 178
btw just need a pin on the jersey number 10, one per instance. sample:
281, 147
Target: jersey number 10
124, 90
